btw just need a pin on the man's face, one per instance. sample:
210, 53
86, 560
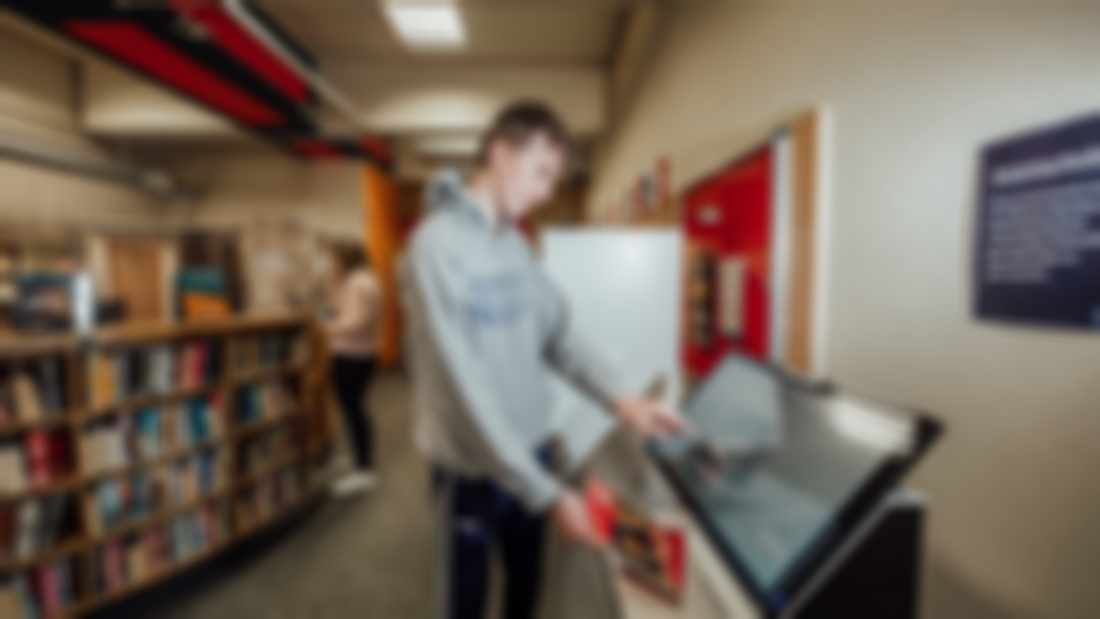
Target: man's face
525, 176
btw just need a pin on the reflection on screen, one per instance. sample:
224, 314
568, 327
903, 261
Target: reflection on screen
772, 509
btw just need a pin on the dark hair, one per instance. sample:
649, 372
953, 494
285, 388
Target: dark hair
521, 121
349, 256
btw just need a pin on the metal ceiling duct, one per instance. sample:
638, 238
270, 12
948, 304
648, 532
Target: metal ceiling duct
152, 182
226, 55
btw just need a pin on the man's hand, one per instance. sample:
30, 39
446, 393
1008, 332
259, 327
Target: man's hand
572, 519
650, 417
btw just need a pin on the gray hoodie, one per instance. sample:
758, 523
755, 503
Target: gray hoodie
485, 325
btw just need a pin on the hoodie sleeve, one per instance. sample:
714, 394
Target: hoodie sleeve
567, 352
435, 317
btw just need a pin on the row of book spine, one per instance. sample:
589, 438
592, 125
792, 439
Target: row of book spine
33, 391
32, 526
46, 591
134, 559
128, 439
265, 450
132, 497
269, 496
268, 351
39, 459
264, 402
116, 375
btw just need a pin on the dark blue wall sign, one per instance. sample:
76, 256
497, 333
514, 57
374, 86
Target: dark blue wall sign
1038, 253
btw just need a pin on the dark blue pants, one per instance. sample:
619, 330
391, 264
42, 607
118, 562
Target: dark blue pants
476, 515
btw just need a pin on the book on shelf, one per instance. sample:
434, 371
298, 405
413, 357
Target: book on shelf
50, 372
137, 557
28, 403
268, 351
264, 499
102, 383
35, 391
9, 601
47, 457
32, 526
128, 439
198, 365
117, 375
28, 605
8, 413
136, 495
41, 592
13, 476
149, 434
161, 368
264, 402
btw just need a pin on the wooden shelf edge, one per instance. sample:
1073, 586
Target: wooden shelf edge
179, 454
255, 428
49, 422
160, 517
70, 546
136, 334
68, 484
154, 399
136, 404
255, 477
20, 346
255, 375
99, 602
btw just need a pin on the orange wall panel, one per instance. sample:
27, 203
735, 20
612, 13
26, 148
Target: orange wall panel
383, 237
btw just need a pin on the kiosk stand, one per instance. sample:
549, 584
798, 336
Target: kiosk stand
879, 576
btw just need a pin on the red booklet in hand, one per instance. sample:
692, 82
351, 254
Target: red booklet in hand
652, 553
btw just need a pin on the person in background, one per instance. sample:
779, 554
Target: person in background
486, 327
353, 338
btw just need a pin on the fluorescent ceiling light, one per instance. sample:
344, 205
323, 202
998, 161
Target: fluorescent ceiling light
427, 24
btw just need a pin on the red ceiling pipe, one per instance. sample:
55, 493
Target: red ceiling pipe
139, 48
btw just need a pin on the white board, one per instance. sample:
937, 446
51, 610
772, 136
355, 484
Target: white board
623, 288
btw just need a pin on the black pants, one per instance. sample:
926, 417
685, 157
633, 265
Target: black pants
351, 379
474, 515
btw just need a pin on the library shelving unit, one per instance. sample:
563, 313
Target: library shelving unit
141, 451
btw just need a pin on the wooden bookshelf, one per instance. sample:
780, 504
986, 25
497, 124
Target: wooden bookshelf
300, 391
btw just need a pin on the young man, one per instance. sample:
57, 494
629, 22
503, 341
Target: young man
486, 327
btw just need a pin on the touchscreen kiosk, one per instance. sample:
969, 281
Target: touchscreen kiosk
779, 513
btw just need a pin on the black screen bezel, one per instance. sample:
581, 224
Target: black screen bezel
851, 515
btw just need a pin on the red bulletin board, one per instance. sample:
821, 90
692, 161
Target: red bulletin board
729, 215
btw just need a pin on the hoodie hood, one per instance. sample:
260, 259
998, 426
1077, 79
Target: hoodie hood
448, 191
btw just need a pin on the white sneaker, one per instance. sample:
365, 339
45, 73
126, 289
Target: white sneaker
353, 484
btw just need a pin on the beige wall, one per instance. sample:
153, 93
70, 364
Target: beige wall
915, 88
38, 107
239, 186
